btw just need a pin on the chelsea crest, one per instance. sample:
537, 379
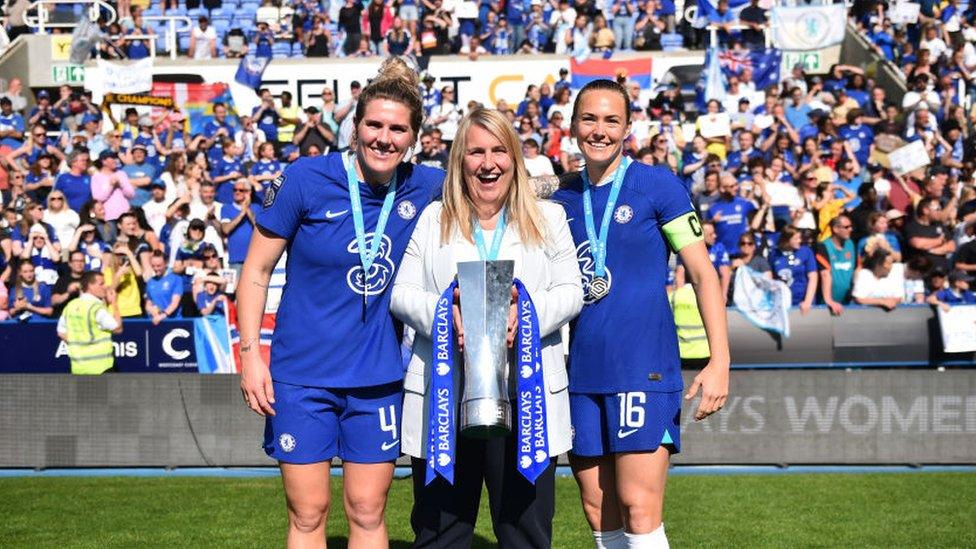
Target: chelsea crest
406, 210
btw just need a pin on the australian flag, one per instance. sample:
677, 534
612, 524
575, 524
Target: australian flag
765, 65
250, 71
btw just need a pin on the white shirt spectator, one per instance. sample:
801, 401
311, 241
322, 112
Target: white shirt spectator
936, 46
784, 194
868, 286
248, 141
156, 214
449, 125
210, 236
205, 41
64, 222
540, 165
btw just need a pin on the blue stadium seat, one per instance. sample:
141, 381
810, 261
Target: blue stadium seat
281, 50
221, 12
152, 11
184, 42
249, 7
195, 13
296, 50
221, 25
672, 42
246, 24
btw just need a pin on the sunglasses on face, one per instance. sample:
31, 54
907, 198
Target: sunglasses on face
240, 190
746, 243
209, 256
53, 198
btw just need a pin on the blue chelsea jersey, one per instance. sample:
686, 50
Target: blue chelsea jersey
627, 340
323, 337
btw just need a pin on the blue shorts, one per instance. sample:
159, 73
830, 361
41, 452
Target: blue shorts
613, 423
312, 424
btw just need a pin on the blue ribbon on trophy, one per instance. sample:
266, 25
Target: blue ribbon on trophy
532, 443
440, 429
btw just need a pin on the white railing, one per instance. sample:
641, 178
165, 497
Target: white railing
170, 38
713, 32
41, 21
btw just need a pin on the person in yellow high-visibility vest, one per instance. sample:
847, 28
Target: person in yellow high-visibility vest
87, 325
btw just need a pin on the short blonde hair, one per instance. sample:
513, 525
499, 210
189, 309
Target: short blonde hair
521, 208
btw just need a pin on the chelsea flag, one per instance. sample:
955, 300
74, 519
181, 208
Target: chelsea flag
808, 27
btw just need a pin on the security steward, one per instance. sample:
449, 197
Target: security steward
87, 325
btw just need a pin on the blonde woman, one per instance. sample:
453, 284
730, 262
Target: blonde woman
58, 215
489, 210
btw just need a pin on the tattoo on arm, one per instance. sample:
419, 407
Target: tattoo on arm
545, 185
259, 285
247, 344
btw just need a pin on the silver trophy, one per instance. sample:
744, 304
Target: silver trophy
486, 296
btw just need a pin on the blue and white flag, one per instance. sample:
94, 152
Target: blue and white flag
765, 65
250, 71
764, 302
212, 343
808, 27
711, 84
707, 8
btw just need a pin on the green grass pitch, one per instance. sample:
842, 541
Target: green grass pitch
821, 510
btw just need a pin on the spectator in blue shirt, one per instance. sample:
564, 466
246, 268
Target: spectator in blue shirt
209, 300
141, 173
237, 223
266, 116
76, 183
958, 292
216, 131
11, 127
164, 291
226, 170
30, 299
729, 213
796, 265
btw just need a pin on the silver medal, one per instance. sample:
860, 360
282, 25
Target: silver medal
599, 288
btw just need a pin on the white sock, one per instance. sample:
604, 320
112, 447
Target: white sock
653, 540
614, 539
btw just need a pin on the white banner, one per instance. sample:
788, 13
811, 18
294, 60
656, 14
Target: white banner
809, 27
134, 78
904, 13
908, 158
958, 329
763, 301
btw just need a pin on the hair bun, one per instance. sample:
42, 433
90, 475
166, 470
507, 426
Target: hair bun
397, 68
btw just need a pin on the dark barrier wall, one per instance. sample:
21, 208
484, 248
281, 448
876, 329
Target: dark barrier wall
34, 348
772, 417
908, 336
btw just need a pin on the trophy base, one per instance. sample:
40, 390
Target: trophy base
485, 418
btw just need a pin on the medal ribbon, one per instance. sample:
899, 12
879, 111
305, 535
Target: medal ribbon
367, 256
598, 246
532, 435
441, 429
496, 240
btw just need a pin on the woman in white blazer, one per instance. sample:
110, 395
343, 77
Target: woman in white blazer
487, 189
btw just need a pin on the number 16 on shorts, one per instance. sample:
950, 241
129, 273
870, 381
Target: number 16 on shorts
631, 413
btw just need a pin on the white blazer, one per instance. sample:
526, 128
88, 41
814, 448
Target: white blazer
551, 275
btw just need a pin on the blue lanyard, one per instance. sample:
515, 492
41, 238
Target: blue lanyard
366, 257
496, 240
598, 246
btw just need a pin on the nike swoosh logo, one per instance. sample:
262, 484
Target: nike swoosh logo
329, 214
387, 445
624, 434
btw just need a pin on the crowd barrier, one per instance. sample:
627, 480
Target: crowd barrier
772, 417
141, 347
860, 337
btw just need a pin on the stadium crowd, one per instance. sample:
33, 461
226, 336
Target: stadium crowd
276, 28
798, 189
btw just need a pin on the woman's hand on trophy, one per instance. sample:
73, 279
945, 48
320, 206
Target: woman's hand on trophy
458, 327
513, 318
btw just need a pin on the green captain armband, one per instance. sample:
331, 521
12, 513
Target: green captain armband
683, 230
